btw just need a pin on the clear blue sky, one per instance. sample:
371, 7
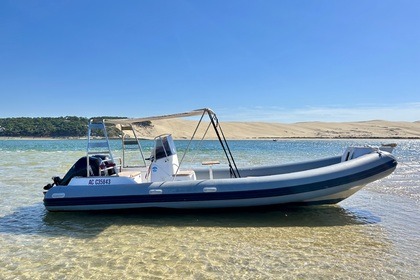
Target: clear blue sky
271, 60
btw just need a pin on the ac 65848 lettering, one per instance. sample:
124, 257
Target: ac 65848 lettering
99, 181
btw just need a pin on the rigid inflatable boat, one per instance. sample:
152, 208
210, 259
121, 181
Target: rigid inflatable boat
101, 181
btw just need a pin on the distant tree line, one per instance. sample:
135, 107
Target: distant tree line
49, 127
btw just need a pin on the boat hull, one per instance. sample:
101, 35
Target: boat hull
325, 181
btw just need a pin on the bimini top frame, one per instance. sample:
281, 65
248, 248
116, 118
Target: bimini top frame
199, 112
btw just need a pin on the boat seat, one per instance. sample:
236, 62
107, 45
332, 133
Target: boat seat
210, 165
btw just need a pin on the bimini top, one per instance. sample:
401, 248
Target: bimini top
197, 112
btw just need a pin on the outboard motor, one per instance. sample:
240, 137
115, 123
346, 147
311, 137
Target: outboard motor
164, 159
79, 170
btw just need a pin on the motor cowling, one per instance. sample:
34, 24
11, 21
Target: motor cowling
79, 169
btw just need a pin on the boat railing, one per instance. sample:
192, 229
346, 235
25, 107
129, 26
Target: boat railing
98, 144
118, 163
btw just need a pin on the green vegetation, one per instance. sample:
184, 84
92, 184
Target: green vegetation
48, 127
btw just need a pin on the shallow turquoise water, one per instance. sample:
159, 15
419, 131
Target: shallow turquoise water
373, 234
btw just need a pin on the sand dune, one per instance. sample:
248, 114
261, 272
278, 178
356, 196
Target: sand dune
183, 129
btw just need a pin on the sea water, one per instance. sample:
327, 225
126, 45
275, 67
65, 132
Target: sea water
371, 235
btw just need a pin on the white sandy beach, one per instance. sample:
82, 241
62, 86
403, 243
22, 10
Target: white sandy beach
183, 129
